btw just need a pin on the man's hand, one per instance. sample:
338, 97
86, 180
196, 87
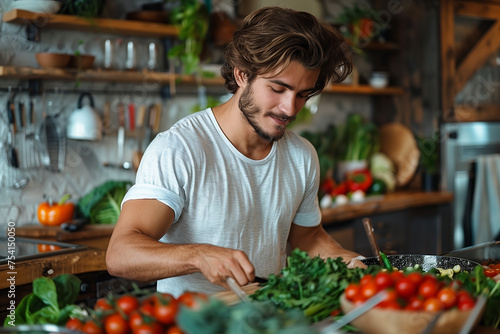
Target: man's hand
218, 263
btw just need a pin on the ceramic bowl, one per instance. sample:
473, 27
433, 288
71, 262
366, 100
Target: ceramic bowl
82, 62
52, 60
37, 6
389, 321
379, 79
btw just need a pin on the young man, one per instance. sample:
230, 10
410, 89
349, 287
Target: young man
224, 191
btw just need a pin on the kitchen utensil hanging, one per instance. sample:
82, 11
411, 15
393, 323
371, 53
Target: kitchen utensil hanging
53, 138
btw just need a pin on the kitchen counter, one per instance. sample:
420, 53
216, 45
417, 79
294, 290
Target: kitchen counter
400, 200
90, 259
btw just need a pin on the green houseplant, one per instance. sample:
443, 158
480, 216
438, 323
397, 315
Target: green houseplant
192, 19
429, 161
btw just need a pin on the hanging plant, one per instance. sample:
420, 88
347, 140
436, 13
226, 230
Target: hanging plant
192, 19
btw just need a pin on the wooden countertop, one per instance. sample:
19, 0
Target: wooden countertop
89, 259
387, 203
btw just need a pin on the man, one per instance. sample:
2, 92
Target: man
223, 191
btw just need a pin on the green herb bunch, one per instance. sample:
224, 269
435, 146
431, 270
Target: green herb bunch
313, 285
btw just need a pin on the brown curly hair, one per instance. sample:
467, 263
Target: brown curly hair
271, 37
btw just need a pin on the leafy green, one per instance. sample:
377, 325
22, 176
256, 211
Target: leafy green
103, 203
216, 317
313, 285
359, 139
51, 302
478, 283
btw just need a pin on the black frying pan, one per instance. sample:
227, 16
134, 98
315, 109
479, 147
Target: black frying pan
427, 262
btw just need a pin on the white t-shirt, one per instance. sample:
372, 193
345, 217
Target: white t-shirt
223, 198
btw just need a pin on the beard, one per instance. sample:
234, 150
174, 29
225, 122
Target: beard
251, 110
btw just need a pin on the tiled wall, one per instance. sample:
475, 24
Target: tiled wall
83, 166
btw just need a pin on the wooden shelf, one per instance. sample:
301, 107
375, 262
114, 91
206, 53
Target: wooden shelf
101, 25
363, 90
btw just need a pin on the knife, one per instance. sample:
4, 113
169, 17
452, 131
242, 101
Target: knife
74, 224
237, 290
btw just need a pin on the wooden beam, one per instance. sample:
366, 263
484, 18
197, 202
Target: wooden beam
448, 67
478, 56
483, 10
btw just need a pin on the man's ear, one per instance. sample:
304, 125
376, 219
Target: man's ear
240, 77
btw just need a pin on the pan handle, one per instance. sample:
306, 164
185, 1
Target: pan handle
371, 237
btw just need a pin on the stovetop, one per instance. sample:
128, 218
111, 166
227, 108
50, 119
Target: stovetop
21, 249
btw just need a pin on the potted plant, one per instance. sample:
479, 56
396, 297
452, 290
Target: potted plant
358, 25
192, 19
357, 141
429, 162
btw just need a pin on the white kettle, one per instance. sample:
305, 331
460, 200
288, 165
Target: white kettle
84, 123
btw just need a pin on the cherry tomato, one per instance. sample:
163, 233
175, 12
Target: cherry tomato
397, 275
115, 324
432, 304
174, 330
416, 277
103, 304
127, 304
447, 296
352, 291
415, 303
366, 279
193, 300
391, 300
384, 280
465, 301
429, 288
369, 289
137, 319
335, 312
74, 324
91, 327
405, 287
147, 306
151, 328
491, 272
166, 308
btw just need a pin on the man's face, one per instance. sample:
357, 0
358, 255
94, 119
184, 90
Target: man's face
271, 102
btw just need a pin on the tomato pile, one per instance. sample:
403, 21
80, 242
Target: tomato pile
415, 291
492, 270
129, 314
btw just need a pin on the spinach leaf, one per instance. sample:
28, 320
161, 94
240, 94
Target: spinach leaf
68, 288
45, 289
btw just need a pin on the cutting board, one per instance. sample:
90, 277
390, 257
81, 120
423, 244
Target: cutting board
87, 231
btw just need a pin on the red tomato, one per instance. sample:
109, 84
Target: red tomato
103, 304
416, 277
90, 327
166, 308
397, 275
465, 301
429, 288
491, 272
137, 319
151, 328
174, 330
369, 289
391, 300
405, 287
127, 304
335, 312
366, 279
147, 306
193, 300
432, 304
352, 291
74, 324
415, 304
115, 324
447, 296
384, 280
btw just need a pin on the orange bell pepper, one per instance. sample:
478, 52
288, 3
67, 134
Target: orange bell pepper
51, 214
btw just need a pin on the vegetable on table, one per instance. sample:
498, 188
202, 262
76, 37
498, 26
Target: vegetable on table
102, 205
51, 302
359, 180
50, 213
